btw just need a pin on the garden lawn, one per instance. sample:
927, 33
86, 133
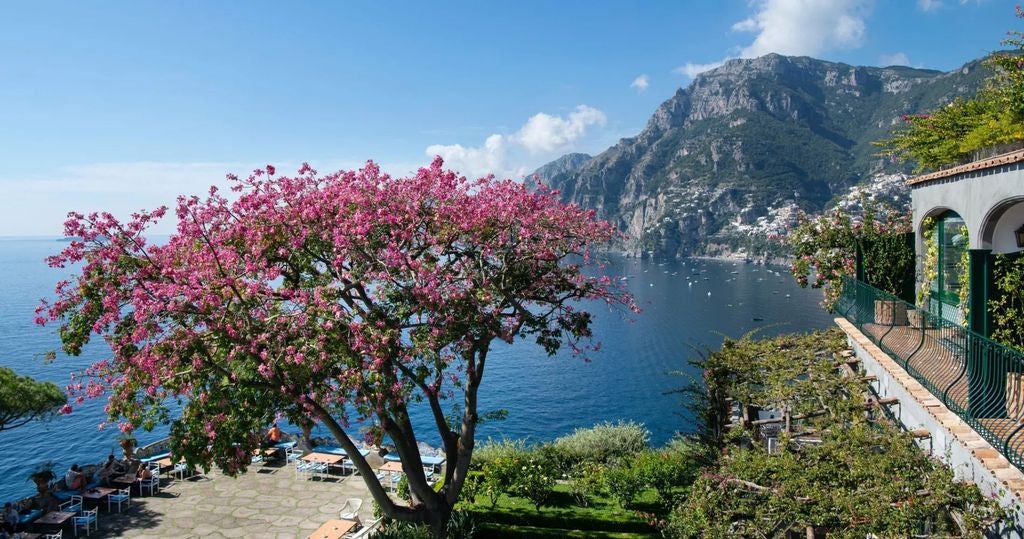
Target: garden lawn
561, 517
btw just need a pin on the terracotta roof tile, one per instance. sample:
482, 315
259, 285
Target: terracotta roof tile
998, 160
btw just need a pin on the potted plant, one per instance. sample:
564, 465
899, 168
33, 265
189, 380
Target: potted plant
888, 259
128, 444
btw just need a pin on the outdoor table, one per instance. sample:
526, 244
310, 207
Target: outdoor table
126, 481
54, 519
97, 494
324, 458
391, 466
333, 529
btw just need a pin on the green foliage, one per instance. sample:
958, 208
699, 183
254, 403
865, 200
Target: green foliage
603, 443
402, 488
625, 481
23, 399
586, 481
534, 482
837, 468
472, 486
461, 525
561, 517
950, 134
669, 472
491, 450
931, 260
403, 530
500, 474
1007, 307
823, 246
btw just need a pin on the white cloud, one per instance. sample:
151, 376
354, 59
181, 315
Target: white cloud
487, 159
541, 136
691, 69
546, 133
929, 5
895, 59
804, 27
795, 28
640, 83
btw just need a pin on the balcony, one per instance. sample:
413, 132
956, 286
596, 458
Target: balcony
975, 377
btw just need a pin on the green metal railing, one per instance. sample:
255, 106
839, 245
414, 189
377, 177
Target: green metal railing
977, 378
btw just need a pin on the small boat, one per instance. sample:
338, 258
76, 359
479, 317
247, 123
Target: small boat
757, 319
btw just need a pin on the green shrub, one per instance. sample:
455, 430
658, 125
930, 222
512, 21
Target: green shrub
553, 458
403, 530
586, 481
472, 486
534, 482
665, 472
461, 525
603, 443
491, 450
499, 476
625, 482
402, 488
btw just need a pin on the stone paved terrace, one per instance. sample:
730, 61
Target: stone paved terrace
266, 502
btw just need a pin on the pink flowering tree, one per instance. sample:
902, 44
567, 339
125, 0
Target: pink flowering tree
824, 247
344, 299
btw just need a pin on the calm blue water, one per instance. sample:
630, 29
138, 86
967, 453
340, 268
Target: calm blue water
545, 396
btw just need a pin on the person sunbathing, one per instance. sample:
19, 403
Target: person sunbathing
74, 479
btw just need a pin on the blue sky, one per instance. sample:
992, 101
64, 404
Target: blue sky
124, 105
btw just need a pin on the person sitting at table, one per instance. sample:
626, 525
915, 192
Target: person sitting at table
74, 479
107, 470
144, 473
274, 435
11, 520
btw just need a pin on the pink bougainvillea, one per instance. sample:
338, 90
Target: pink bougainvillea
328, 298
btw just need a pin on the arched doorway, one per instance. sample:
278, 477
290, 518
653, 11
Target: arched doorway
945, 265
1001, 223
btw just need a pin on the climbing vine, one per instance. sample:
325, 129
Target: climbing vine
1008, 306
965, 277
930, 271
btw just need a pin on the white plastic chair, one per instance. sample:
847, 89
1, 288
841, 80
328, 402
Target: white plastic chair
120, 497
74, 505
181, 470
87, 520
292, 454
58, 535
350, 511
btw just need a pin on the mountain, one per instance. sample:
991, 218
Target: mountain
754, 140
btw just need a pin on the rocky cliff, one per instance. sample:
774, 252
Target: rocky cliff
753, 140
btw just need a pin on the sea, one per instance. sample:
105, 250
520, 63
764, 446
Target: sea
688, 308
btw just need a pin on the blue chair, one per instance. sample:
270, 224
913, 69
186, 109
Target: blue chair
120, 497
74, 505
87, 520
